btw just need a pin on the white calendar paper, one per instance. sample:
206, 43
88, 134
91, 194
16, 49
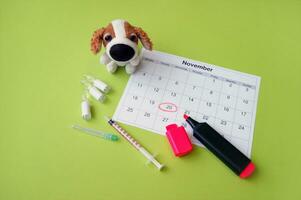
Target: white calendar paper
166, 86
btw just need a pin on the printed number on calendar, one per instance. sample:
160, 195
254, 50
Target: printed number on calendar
190, 99
241, 127
164, 119
223, 122
156, 89
245, 101
187, 112
205, 117
209, 104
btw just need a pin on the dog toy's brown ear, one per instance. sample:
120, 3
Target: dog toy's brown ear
146, 42
96, 40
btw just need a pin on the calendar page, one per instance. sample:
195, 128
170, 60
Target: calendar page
166, 86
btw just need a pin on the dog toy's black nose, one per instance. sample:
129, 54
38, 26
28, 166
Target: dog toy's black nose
121, 52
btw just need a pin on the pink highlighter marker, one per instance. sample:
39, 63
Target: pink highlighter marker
221, 148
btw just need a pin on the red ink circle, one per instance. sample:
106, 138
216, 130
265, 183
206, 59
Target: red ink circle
162, 107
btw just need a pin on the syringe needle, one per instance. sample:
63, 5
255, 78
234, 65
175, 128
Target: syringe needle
107, 136
106, 118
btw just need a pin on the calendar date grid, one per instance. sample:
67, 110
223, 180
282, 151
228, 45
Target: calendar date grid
246, 101
222, 121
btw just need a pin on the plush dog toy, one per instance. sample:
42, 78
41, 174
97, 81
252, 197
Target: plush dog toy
120, 39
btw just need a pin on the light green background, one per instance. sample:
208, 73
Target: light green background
44, 51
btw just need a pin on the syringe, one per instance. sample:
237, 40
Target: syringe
134, 142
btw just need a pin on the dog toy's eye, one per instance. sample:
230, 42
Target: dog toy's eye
133, 38
108, 38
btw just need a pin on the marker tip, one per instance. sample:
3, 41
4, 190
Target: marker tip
185, 116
